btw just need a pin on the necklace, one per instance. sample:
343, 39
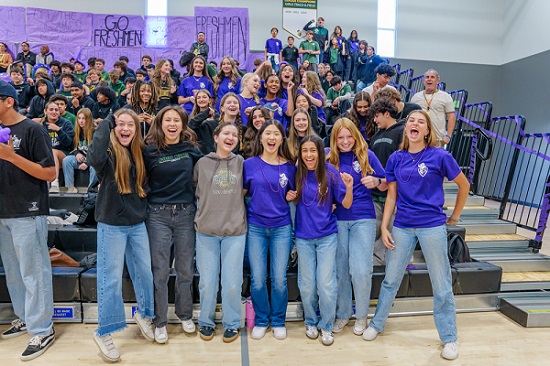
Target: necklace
429, 103
314, 197
278, 173
417, 155
197, 79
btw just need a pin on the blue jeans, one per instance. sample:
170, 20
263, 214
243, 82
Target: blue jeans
433, 242
24, 251
69, 166
231, 251
114, 243
172, 226
278, 242
317, 279
354, 266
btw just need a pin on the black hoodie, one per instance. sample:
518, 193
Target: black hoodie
38, 102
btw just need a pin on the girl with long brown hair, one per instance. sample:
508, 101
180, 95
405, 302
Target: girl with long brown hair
165, 86
228, 80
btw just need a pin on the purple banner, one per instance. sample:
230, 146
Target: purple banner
13, 24
64, 27
226, 31
117, 31
169, 32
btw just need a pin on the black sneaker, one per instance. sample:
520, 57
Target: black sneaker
17, 328
206, 333
230, 335
37, 346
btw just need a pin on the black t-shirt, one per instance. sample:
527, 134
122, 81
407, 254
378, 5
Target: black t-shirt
290, 54
383, 144
22, 195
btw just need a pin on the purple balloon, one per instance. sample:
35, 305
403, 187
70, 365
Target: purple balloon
5, 77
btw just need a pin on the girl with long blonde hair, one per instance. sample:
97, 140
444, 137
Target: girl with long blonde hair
121, 207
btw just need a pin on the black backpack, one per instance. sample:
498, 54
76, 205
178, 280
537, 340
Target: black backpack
86, 213
458, 251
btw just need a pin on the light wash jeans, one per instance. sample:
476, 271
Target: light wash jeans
317, 279
172, 225
24, 251
230, 249
114, 243
278, 242
433, 242
69, 166
354, 266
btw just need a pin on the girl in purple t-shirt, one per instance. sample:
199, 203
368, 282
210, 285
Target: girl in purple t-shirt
315, 92
196, 80
228, 80
357, 226
268, 176
281, 108
250, 84
319, 186
415, 177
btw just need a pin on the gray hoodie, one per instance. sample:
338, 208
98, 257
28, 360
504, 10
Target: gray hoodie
219, 190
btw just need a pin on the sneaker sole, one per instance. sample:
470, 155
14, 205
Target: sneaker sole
206, 338
161, 341
358, 333
39, 353
230, 339
312, 337
13, 335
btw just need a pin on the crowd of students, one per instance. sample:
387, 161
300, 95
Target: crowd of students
220, 164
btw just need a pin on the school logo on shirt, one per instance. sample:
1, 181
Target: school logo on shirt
283, 180
422, 170
203, 85
224, 178
34, 207
230, 85
357, 166
16, 142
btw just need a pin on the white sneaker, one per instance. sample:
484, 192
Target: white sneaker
107, 348
72, 190
312, 332
161, 335
145, 326
54, 188
279, 332
360, 326
327, 337
188, 326
258, 332
370, 334
339, 325
450, 351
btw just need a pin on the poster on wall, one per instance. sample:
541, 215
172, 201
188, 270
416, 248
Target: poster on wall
296, 14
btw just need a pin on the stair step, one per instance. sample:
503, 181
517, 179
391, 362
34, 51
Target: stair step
529, 311
513, 259
450, 200
490, 226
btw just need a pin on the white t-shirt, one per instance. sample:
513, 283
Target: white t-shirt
440, 103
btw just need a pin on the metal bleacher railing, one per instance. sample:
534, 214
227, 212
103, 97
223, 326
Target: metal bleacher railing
504, 163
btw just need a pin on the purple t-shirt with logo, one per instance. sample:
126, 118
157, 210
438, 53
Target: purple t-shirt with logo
267, 185
362, 206
227, 86
245, 103
279, 114
420, 195
315, 219
191, 83
273, 45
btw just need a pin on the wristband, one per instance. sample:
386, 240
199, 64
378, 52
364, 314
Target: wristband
379, 182
447, 136
453, 220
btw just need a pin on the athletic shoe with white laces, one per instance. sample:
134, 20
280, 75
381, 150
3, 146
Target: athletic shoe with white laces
370, 334
258, 332
339, 325
327, 338
107, 348
188, 326
37, 346
312, 332
161, 335
145, 326
279, 332
18, 327
360, 326
72, 190
450, 351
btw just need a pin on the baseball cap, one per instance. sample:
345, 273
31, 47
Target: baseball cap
6, 90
